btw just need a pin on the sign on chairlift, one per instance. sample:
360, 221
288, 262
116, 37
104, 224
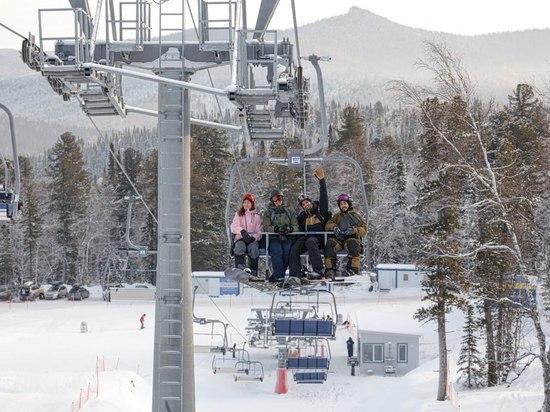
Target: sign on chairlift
295, 158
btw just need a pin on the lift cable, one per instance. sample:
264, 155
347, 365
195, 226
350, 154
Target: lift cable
296, 33
125, 174
13, 31
220, 310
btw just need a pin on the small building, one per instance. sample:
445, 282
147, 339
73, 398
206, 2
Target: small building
130, 292
398, 275
388, 353
214, 284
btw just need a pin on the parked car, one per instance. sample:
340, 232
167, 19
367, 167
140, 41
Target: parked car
30, 291
57, 291
78, 292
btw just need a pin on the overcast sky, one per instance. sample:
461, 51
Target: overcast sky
452, 16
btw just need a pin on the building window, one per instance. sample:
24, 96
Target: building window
373, 353
402, 353
405, 277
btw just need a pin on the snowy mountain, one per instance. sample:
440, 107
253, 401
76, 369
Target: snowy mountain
366, 50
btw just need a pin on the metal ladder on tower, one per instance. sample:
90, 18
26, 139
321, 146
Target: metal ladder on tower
169, 329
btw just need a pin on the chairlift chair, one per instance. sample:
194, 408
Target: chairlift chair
260, 175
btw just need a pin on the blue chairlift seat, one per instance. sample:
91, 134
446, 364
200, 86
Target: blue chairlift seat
304, 327
310, 377
307, 363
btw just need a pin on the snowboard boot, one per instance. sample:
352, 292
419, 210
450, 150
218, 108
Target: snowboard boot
254, 277
330, 274
292, 282
315, 276
350, 271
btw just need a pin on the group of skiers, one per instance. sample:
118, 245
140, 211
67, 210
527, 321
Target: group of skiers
285, 246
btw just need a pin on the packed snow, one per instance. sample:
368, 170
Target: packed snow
91, 356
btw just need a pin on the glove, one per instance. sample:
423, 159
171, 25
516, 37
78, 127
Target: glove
337, 231
320, 173
348, 231
286, 229
246, 237
283, 230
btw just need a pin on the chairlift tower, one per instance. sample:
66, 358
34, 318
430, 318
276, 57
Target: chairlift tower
92, 70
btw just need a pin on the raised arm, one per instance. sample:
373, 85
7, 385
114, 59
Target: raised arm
323, 193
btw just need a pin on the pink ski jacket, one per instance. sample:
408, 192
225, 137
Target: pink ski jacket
250, 221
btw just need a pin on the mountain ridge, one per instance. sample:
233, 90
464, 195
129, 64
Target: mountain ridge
366, 51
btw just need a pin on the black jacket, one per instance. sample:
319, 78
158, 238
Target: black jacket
314, 219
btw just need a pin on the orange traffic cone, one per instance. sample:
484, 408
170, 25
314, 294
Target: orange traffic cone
281, 385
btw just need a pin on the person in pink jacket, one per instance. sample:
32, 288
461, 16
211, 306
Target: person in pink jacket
246, 228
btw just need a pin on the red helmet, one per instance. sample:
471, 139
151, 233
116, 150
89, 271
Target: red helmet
250, 197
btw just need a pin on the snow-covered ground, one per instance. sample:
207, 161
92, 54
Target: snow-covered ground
46, 362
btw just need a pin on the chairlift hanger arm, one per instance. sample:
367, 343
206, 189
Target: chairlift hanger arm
322, 108
14, 213
157, 79
198, 122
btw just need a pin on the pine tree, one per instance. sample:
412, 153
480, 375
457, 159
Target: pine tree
210, 162
390, 234
470, 362
32, 218
502, 200
440, 189
352, 142
148, 185
69, 189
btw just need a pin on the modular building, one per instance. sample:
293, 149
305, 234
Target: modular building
398, 275
214, 284
387, 353
130, 292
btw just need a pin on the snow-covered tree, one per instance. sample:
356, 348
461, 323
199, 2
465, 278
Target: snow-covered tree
495, 172
209, 165
69, 190
390, 228
471, 364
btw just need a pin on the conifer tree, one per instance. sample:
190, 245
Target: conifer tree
32, 219
470, 362
501, 198
210, 162
390, 234
440, 190
149, 190
352, 142
69, 189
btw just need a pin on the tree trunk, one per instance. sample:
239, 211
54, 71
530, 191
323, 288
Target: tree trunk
544, 358
491, 363
442, 335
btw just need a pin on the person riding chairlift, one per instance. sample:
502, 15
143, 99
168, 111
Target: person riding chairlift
246, 228
348, 227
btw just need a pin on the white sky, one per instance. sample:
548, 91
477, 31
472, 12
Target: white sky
452, 16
